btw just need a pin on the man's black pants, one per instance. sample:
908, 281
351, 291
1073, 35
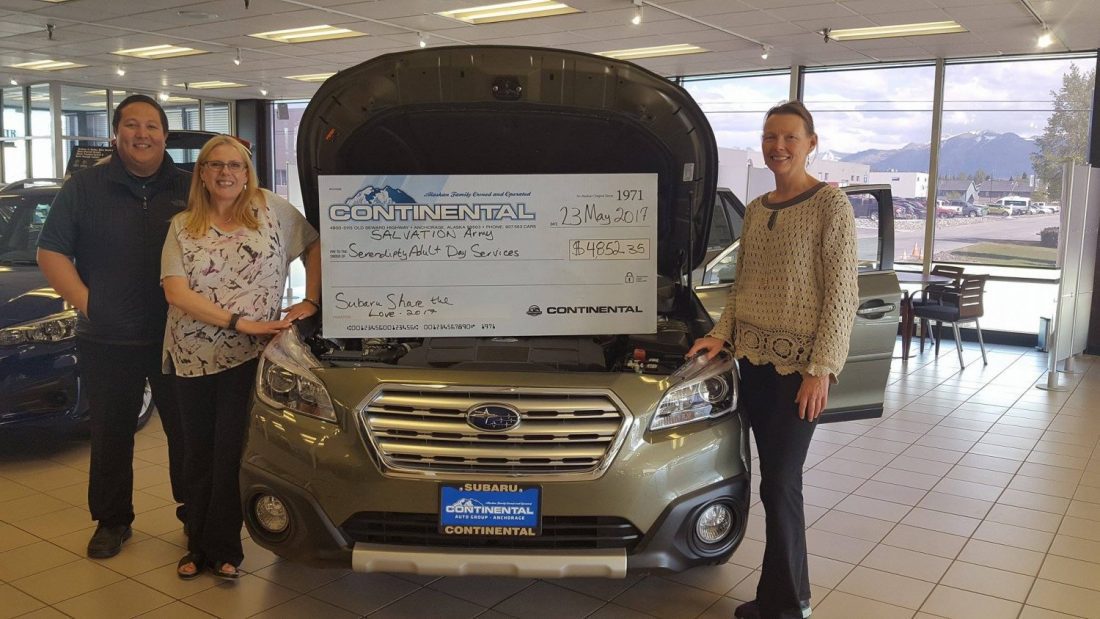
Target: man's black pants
114, 376
214, 409
782, 440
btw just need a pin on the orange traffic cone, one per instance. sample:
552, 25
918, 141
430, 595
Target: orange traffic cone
916, 250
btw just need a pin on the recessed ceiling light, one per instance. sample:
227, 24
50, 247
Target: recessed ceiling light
897, 30
153, 52
507, 11
198, 15
653, 52
1046, 39
311, 77
210, 84
308, 34
47, 65
120, 71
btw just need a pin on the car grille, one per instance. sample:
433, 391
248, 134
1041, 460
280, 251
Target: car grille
564, 532
424, 432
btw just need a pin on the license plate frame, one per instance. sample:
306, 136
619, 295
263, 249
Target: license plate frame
490, 510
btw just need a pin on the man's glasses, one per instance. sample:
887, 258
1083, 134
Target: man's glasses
218, 166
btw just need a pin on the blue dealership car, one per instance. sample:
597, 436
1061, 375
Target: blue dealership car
39, 381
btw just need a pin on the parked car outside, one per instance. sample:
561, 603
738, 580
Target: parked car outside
39, 380
946, 210
356, 448
973, 210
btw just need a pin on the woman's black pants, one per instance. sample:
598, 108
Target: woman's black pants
214, 414
782, 439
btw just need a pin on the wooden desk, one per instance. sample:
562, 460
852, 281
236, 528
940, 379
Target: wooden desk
910, 277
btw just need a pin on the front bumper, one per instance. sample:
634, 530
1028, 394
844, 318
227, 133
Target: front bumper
639, 516
40, 385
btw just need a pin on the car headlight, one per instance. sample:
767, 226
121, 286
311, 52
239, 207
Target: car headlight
53, 328
284, 378
700, 390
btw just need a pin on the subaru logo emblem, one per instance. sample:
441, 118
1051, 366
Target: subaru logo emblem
492, 417
534, 310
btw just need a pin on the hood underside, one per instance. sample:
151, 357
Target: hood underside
517, 110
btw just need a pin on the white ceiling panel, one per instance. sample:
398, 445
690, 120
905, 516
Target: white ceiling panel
88, 30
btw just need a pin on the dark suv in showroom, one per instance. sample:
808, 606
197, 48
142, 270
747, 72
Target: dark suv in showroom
357, 447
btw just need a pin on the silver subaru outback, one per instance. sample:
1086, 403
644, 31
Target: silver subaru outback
555, 456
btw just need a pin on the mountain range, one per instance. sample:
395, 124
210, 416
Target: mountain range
379, 195
1001, 155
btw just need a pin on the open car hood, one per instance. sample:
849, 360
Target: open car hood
517, 110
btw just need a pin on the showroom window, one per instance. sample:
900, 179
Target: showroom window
874, 125
14, 127
84, 119
735, 106
1007, 128
284, 149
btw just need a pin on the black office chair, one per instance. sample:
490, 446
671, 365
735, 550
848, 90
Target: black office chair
957, 303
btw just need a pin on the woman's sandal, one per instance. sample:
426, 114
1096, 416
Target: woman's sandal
190, 559
225, 570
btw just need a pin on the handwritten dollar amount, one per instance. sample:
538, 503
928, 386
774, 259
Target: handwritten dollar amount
609, 249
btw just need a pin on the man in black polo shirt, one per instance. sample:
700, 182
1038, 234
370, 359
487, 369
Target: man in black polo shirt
111, 220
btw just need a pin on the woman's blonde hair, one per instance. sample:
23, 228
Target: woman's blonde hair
196, 219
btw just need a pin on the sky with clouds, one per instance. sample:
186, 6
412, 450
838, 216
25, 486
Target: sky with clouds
889, 108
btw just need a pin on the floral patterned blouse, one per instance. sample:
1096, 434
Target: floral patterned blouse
243, 271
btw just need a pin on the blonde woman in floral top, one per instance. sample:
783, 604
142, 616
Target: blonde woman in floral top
223, 269
788, 319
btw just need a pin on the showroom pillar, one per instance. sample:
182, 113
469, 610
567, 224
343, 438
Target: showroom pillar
1092, 344
254, 125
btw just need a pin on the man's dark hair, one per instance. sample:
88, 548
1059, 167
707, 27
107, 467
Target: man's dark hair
794, 108
139, 99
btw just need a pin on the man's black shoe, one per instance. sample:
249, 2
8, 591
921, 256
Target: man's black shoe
750, 610
107, 540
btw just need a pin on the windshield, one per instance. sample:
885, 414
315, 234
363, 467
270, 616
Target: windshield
21, 219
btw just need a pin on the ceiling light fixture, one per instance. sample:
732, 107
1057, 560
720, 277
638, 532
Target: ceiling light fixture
1046, 39
308, 34
237, 60
13, 82
47, 65
897, 30
208, 84
120, 70
154, 52
653, 52
263, 91
163, 96
311, 77
421, 40
765, 50
507, 11
637, 19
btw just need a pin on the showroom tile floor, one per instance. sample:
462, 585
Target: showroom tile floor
976, 496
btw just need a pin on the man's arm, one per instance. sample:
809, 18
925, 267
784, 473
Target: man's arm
61, 273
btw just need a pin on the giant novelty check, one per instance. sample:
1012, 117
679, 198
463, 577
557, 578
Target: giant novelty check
496, 255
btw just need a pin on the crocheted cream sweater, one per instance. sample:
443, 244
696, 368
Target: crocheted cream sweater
794, 298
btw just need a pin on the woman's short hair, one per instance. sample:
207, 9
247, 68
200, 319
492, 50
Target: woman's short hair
794, 108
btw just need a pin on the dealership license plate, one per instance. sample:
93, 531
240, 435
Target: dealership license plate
509, 510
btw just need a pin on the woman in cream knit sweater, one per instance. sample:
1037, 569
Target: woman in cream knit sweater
788, 319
